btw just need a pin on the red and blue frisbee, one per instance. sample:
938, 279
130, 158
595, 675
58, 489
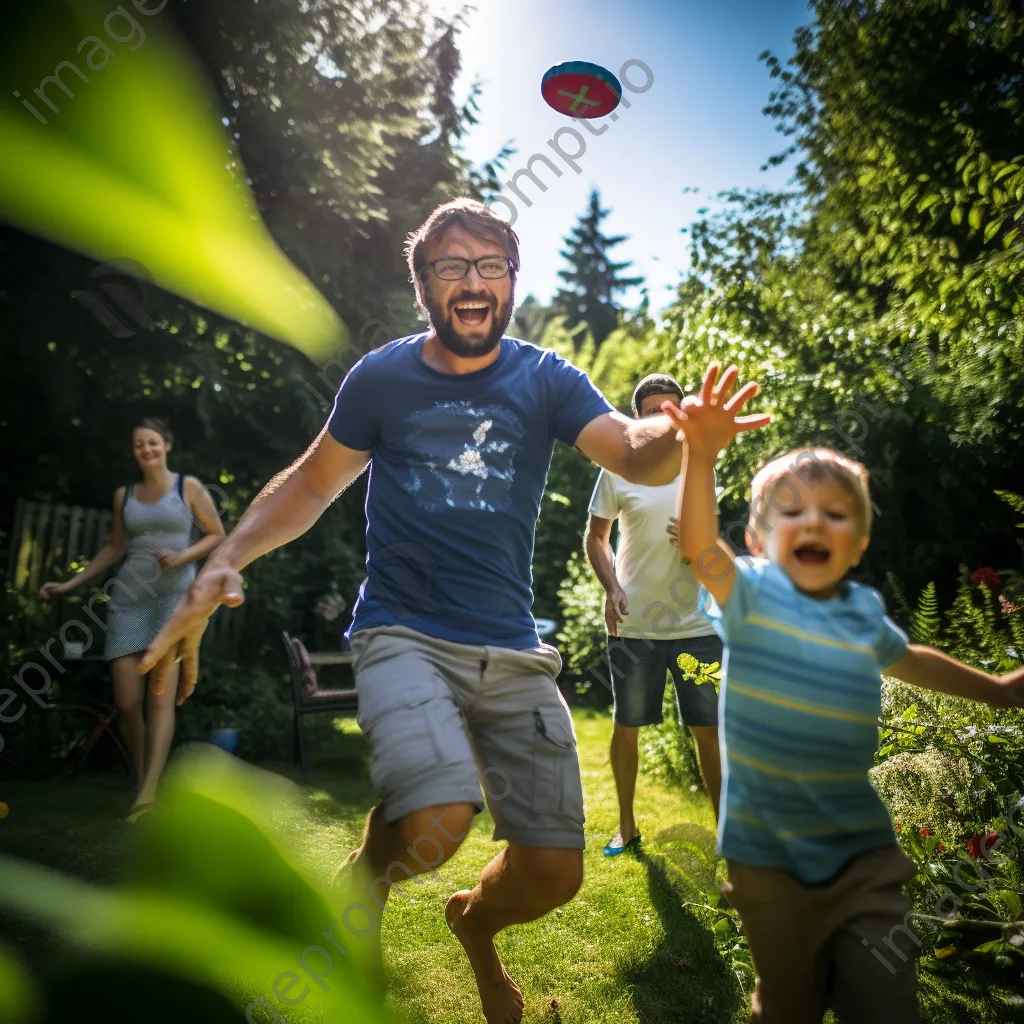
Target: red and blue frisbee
581, 89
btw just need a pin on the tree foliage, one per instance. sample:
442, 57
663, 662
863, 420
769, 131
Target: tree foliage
344, 117
593, 279
876, 320
876, 317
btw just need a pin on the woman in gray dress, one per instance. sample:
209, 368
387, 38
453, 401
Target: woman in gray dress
152, 537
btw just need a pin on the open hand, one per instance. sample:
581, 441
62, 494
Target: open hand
709, 421
167, 558
616, 607
179, 640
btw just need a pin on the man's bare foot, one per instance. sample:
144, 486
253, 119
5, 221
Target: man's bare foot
345, 865
368, 941
139, 810
499, 994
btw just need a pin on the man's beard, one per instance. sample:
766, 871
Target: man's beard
447, 328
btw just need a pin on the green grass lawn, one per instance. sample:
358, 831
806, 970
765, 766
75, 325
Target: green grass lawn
625, 950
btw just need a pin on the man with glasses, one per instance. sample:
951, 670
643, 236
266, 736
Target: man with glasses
456, 691
654, 623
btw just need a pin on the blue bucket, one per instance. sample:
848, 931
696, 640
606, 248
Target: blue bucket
226, 739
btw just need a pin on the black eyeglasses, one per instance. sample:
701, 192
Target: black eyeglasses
453, 268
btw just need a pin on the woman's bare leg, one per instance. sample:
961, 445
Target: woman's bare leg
128, 700
159, 733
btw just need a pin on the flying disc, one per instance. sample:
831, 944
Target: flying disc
581, 89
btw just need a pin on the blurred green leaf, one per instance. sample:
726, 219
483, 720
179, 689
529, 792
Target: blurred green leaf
214, 899
19, 997
174, 200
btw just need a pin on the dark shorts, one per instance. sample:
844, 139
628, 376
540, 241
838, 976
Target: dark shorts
639, 670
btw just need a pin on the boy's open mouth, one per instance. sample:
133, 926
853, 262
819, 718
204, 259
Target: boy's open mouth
472, 314
812, 554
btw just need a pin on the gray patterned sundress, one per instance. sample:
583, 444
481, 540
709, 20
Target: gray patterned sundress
139, 608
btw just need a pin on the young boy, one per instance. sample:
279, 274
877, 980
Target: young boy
813, 866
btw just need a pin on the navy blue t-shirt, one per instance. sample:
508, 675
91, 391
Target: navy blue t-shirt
458, 467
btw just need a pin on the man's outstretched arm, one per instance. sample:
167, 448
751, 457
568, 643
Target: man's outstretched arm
644, 451
285, 509
292, 502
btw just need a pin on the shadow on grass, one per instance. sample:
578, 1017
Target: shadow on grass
962, 994
74, 826
114, 989
339, 777
685, 979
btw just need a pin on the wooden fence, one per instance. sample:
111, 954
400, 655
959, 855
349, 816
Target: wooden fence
47, 538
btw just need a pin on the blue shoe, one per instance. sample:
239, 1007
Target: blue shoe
616, 845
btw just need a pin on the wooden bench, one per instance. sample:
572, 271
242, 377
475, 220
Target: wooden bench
307, 697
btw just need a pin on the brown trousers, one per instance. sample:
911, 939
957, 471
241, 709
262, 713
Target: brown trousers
848, 945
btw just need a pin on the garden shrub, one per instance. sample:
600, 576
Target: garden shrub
667, 750
952, 773
257, 701
582, 638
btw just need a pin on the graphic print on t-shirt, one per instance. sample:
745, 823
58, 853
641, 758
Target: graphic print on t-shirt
468, 454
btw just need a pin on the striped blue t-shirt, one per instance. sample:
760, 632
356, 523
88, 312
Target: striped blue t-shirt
800, 700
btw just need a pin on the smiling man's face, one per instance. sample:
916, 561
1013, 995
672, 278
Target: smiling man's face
468, 316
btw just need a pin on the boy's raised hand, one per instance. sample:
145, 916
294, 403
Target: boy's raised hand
709, 421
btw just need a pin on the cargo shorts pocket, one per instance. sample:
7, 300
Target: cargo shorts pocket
406, 728
557, 787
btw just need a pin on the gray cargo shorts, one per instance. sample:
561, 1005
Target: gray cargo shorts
444, 719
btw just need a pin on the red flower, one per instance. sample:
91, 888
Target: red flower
987, 577
926, 831
939, 847
896, 827
978, 845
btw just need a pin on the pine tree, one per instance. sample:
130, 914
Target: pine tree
593, 279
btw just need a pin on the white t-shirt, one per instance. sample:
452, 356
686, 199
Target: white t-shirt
661, 592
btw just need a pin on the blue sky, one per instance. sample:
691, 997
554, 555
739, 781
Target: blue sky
699, 124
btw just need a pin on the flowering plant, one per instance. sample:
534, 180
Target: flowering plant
987, 577
952, 773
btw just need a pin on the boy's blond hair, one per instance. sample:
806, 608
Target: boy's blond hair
811, 466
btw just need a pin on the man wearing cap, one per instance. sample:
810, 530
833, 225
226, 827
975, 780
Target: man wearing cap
654, 623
